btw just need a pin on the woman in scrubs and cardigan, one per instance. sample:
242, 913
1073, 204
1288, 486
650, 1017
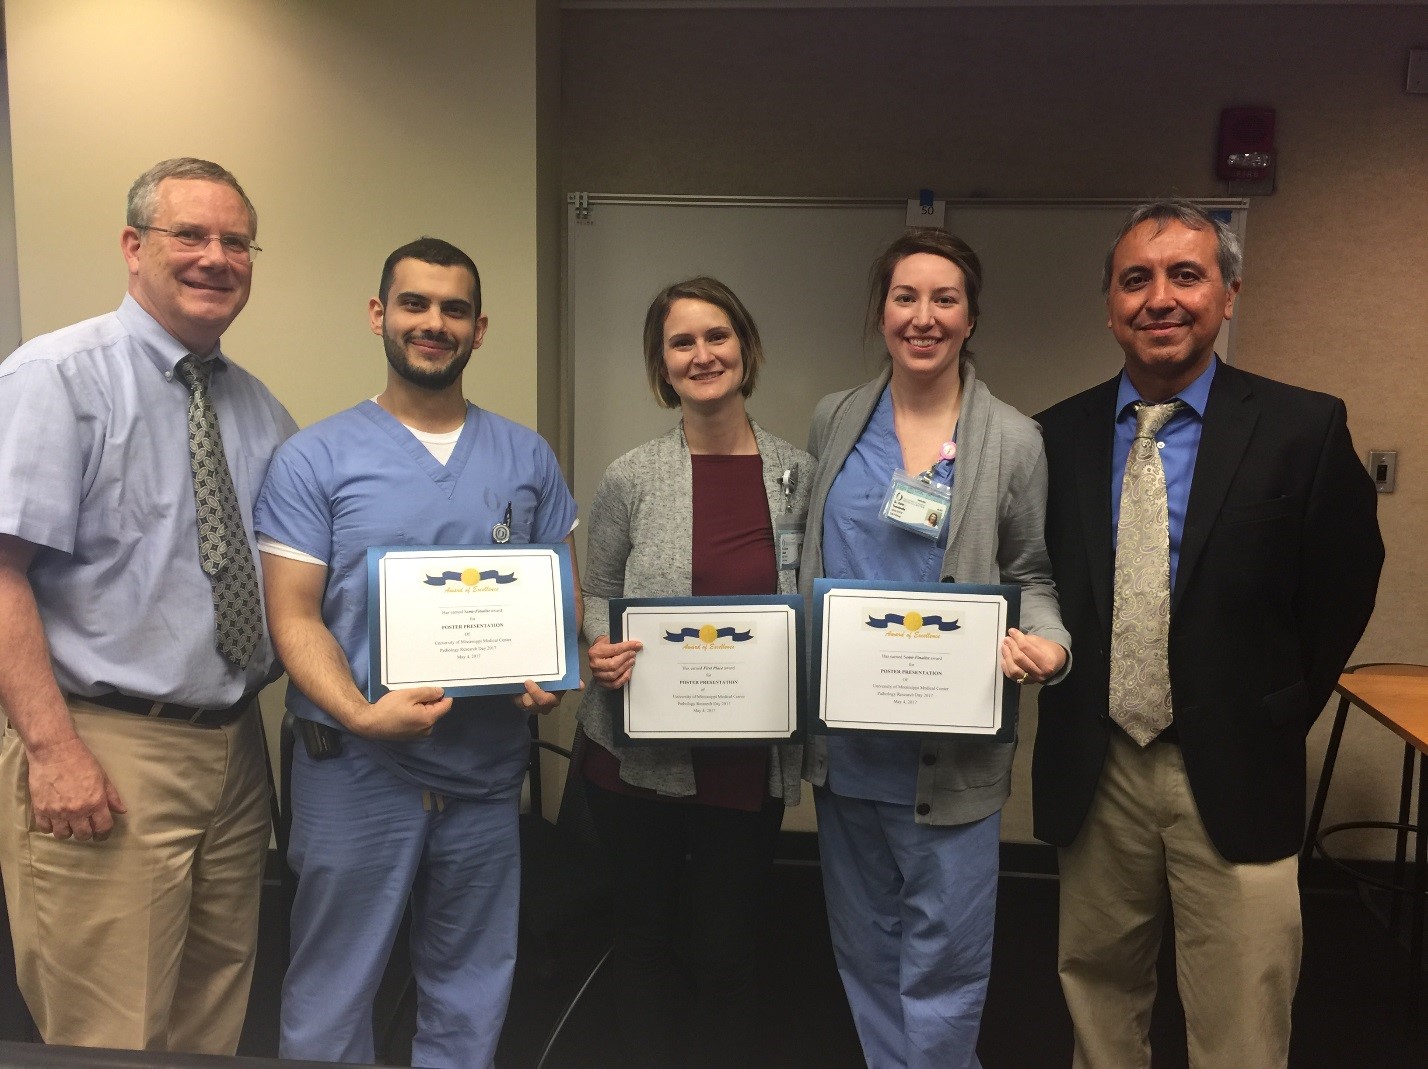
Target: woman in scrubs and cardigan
691, 513
908, 826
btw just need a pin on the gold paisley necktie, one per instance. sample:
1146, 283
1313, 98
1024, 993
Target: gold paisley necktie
222, 543
1140, 619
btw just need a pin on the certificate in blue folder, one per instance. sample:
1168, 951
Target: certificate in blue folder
912, 658
471, 619
713, 671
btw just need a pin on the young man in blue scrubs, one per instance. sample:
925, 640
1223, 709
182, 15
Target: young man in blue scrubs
414, 795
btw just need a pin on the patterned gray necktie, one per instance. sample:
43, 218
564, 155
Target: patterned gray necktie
1140, 619
222, 543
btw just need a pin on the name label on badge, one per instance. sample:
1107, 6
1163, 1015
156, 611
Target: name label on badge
788, 539
917, 504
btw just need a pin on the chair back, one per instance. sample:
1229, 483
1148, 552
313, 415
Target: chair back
1389, 668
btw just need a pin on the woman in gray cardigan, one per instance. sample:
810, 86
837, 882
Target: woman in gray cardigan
908, 825
690, 513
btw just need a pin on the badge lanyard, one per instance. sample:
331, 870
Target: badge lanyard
788, 530
920, 503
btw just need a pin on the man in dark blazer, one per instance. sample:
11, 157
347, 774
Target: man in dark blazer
1274, 558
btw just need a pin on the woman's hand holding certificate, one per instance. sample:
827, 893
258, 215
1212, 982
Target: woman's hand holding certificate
612, 662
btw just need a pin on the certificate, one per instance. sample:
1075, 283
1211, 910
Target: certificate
471, 619
922, 658
712, 671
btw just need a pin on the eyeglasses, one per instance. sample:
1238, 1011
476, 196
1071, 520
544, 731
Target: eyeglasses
237, 248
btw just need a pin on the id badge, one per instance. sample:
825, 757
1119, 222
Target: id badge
916, 504
788, 538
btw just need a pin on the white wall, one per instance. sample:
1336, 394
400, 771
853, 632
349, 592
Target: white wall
355, 126
9, 267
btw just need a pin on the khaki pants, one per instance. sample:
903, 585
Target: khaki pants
144, 941
1142, 852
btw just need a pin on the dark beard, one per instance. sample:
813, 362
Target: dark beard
433, 380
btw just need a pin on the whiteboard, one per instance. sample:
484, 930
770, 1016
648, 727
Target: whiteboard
801, 268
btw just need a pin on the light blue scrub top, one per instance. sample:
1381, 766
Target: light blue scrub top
361, 479
859, 544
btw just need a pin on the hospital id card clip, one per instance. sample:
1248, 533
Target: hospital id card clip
788, 538
788, 531
917, 503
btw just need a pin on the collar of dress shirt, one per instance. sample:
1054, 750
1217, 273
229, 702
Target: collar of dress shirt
1195, 395
158, 344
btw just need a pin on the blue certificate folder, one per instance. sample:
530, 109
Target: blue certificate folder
693, 605
884, 619
450, 570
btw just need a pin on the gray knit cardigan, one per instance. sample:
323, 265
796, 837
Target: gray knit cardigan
639, 537
995, 535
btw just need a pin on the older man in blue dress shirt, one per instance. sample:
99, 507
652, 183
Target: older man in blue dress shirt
135, 826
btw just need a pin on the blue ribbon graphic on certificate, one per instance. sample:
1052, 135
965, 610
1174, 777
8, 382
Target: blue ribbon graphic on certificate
708, 633
913, 621
471, 577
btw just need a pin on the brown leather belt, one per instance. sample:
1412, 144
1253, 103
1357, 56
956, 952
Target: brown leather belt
207, 718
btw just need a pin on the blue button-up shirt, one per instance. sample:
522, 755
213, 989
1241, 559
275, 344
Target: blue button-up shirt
95, 471
1179, 444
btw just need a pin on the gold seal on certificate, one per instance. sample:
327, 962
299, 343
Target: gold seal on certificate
923, 658
472, 620
712, 670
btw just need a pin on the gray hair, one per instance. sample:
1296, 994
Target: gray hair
1187, 213
144, 193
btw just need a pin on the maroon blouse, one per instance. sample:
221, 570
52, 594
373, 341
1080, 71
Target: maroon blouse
733, 554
